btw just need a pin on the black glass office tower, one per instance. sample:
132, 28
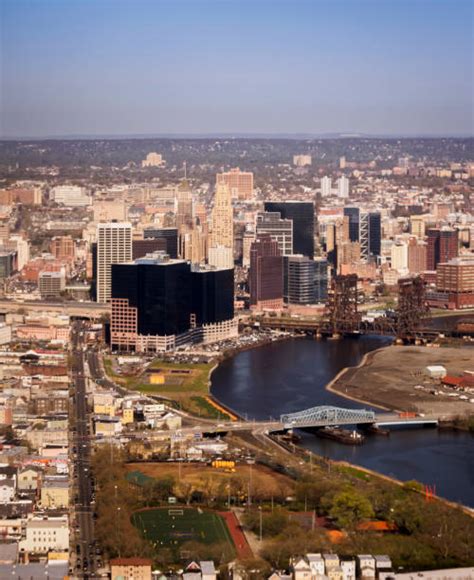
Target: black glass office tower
302, 214
159, 290
375, 234
354, 222
212, 295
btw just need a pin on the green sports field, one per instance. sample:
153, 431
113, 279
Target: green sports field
171, 527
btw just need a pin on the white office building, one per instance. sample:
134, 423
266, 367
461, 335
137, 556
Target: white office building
114, 246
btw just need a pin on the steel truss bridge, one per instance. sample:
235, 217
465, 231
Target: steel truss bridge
326, 416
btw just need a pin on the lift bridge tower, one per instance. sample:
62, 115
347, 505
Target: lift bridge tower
343, 316
412, 310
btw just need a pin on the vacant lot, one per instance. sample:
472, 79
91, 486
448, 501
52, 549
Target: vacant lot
263, 481
389, 376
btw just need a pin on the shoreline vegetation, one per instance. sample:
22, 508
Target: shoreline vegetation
225, 412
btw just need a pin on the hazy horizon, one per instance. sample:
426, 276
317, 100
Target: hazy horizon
123, 69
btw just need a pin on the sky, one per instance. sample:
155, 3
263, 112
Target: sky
132, 67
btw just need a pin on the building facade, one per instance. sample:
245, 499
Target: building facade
114, 246
302, 215
266, 274
239, 182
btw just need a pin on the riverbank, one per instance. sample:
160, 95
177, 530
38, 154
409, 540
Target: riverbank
394, 378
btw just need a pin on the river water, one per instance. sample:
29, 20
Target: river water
291, 375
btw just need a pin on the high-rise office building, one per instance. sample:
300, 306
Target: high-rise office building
184, 206
343, 186
279, 229
365, 228
353, 214
399, 257
170, 235
417, 226
212, 295
416, 255
374, 235
114, 246
302, 214
247, 241
240, 183
266, 274
159, 303
299, 280
320, 279
221, 246
326, 186
443, 246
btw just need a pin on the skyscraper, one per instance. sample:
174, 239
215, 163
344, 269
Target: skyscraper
184, 206
320, 280
221, 246
159, 303
299, 280
354, 218
114, 246
443, 246
302, 214
266, 274
281, 230
374, 225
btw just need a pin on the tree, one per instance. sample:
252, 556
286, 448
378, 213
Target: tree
349, 507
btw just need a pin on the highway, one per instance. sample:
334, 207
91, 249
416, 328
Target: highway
76, 309
81, 455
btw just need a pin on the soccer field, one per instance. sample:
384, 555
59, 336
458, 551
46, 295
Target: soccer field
172, 527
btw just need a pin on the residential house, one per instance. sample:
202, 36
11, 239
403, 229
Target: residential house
300, 568
28, 479
130, 569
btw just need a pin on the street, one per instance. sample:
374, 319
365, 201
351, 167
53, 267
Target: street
81, 452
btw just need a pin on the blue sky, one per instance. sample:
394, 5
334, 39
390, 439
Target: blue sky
240, 66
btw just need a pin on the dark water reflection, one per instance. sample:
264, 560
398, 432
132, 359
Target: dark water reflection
291, 376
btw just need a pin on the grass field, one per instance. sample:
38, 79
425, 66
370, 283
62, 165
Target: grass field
188, 392
171, 527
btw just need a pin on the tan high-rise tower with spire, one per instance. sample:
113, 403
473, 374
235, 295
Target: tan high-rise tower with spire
221, 247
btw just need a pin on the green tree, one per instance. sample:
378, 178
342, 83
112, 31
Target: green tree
349, 507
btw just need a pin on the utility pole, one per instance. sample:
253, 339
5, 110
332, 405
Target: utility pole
261, 521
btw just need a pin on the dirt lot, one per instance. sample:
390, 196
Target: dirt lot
263, 480
388, 378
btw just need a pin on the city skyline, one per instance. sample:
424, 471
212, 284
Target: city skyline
312, 68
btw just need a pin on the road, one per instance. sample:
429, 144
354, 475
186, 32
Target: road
86, 309
81, 452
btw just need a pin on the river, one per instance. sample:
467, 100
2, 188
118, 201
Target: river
291, 376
